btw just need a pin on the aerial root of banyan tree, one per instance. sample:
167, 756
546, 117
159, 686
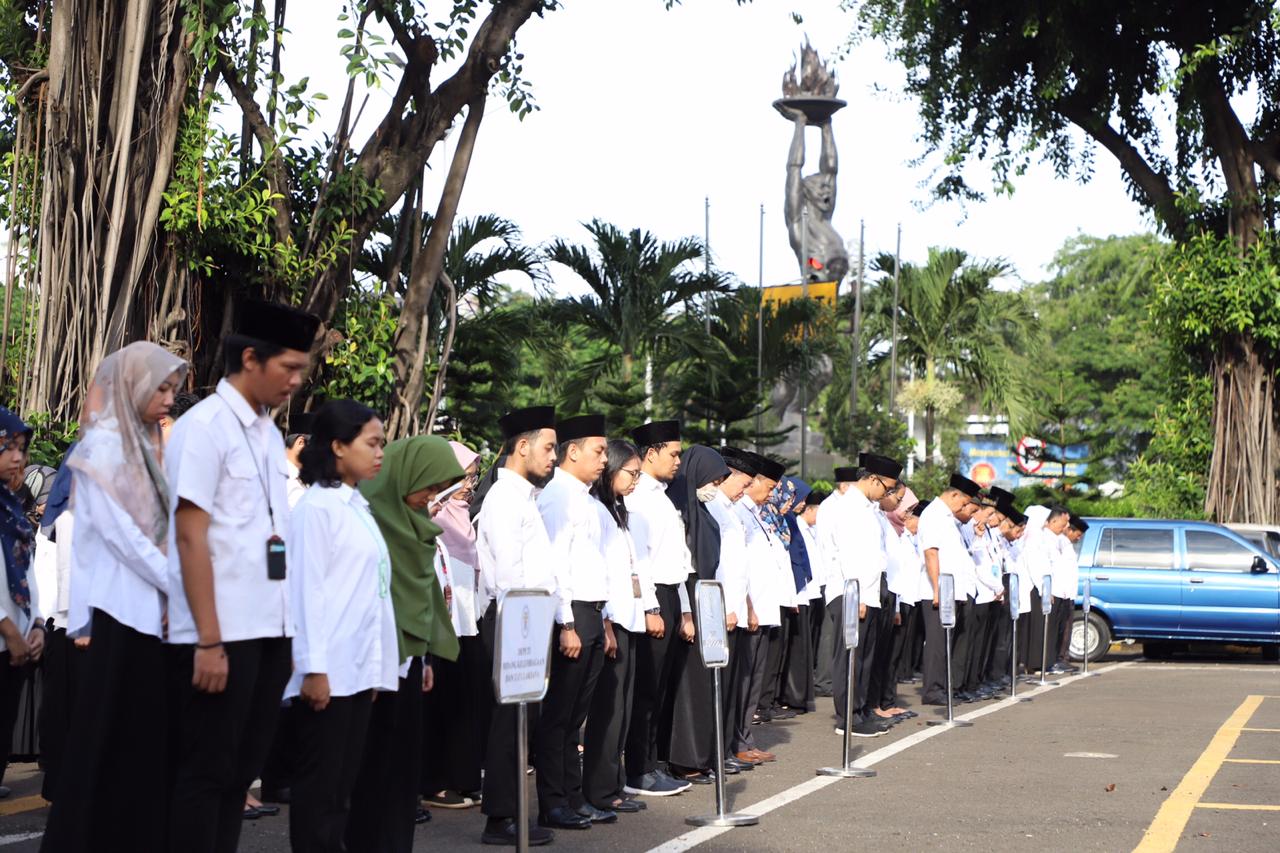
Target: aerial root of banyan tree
1242, 472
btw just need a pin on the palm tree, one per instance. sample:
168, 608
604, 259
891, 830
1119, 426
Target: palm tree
954, 329
637, 282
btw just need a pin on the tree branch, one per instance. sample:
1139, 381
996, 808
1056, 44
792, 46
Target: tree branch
277, 172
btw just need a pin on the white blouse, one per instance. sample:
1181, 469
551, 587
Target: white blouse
344, 621
622, 560
460, 579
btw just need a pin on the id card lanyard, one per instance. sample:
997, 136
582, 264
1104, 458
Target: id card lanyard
277, 566
384, 558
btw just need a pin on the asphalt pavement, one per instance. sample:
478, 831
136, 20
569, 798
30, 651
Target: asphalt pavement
1153, 756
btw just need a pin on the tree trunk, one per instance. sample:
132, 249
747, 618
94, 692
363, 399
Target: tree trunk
1242, 469
930, 419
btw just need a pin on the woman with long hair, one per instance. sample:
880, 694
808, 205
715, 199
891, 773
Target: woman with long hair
116, 745
345, 645
385, 802
631, 596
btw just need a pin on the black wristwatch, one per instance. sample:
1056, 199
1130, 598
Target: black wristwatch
657, 611
568, 626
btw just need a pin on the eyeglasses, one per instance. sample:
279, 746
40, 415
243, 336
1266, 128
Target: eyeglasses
633, 472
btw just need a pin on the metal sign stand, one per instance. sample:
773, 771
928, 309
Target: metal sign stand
521, 669
947, 614
1084, 634
1014, 613
847, 770
714, 647
1046, 598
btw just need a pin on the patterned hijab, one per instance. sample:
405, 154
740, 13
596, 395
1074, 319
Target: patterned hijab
771, 510
16, 534
118, 450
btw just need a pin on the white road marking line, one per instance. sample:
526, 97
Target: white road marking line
6, 840
1089, 755
703, 834
1146, 666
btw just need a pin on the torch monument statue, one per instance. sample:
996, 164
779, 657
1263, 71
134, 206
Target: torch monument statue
809, 99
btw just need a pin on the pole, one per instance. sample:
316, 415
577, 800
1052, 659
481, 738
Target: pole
804, 347
950, 721
1084, 633
522, 770
1013, 668
856, 348
893, 346
720, 818
760, 342
847, 770
1044, 654
706, 300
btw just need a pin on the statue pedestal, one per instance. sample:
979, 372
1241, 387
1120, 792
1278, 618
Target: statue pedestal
816, 109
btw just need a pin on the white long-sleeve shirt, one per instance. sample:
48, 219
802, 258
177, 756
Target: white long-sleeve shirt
768, 566
623, 560
1066, 568
911, 572
825, 526
572, 516
10, 610
460, 580
512, 546
732, 569
345, 625
658, 532
817, 561
860, 549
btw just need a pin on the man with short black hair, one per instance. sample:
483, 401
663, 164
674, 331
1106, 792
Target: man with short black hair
1066, 582
1041, 552
229, 616
945, 554
827, 521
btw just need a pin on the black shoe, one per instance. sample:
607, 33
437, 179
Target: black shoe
423, 816
625, 806
961, 697
729, 770
268, 811
698, 778
744, 766
869, 728
503, 831
596, 815
784, 714
250, 813
763, 717
5, 791
276, 795
822, 693
563, 817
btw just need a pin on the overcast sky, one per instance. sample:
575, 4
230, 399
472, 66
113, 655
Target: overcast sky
647, 112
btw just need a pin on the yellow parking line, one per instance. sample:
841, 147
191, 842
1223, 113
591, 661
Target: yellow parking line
1239, 807
1165, 831
22, 804
1251, 761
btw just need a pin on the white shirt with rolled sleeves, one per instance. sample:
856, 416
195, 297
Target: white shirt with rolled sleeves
939, 529
658, 532
817, 561
226, 459
1066, 567
341, 570
512, 546
827, 525
572, 517
622, 560
860, 549
732, 570
115, 567
764, 566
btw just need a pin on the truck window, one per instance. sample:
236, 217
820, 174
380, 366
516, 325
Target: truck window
1135, 548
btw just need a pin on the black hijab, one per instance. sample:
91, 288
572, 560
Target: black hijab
698, 467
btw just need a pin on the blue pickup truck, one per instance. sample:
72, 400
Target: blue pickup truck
1167, 582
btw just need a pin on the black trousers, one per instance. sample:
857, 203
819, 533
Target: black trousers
901, 668
1036, 634
978, 631
829, 642
795, 687
282, 759
501, 775
868, 636
962, 637
455, 718
934, 664
1023, 645
692, 712
1001, 639
384, 802
572, 685
771, 685
817, 615
11, 680
882, 690
749, 675
116, 746
330, 752
64, 667
220, 740
654, 683
1064, 612
608, 723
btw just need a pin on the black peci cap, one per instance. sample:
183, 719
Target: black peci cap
738, 460
1079, 523
964, 484
274, 323
656, 432
1016, 517
580, 426
846, 474
917, 509
881, 466
527, 420
766, 467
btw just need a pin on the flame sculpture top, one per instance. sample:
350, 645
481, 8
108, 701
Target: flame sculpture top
810, 200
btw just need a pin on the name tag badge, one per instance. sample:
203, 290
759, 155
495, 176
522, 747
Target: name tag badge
635, 586
275, 559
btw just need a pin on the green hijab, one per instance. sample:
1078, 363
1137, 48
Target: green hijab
411, 465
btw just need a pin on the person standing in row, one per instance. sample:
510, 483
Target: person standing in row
1043, 550
795, 686
828, 523
695, 491
773, 513
632, 599
659, 535
455, 714
944, 554
807, 522
115, 745
230, 616
914, 588
987, 582
883, 689
573, 520
385, 803
1066, 584
513, 552
345, 648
